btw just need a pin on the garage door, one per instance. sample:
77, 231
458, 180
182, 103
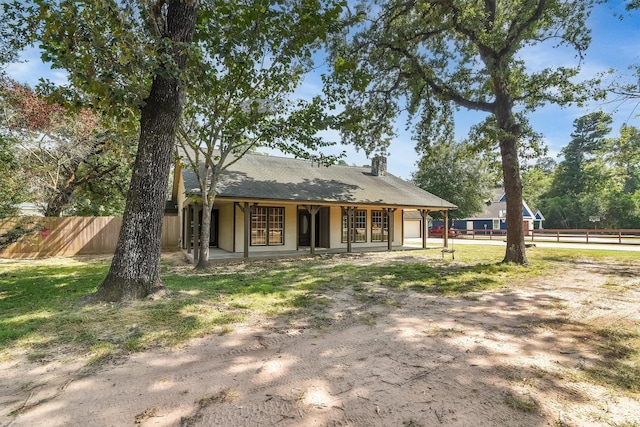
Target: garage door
412, 228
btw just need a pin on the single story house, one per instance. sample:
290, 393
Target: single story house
268, 203
493, 217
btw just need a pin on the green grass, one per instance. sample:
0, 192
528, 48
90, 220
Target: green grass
41, 301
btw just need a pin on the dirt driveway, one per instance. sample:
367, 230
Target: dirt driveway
521, 356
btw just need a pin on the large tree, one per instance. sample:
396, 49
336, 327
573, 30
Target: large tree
583, 166
62, 151
432, 56
598, 178
126, 59
242, 84
13, 186
135, 268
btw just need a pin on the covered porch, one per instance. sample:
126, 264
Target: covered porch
261, 229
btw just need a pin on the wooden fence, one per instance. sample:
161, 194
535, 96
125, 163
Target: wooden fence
68, 236
617, 236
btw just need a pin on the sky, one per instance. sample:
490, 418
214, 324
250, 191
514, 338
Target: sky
615, 45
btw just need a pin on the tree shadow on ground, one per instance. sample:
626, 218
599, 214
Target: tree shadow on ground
465, 344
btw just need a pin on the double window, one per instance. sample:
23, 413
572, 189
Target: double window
359, 224
379, 226
267, 226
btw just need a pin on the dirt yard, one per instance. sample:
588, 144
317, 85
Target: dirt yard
521, 356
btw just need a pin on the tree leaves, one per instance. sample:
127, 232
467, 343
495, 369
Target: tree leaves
422, 56
57, 152
452, 172
599, 176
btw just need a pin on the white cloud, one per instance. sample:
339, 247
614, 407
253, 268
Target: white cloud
30, 69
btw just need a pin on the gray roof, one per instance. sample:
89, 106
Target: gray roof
414, 215
492, 211
497, 208
260, 177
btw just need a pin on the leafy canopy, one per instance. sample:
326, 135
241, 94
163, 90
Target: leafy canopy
452, 172
428, 58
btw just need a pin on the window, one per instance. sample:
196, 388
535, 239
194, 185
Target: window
360, 225
496, 224
379, 226
276, 226
267, 226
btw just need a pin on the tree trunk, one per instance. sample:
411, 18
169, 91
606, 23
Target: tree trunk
135, 268
205, 232
515, 251
208, 190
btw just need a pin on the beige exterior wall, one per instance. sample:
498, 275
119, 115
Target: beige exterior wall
228, 228
225, 228
290, 229
336, 229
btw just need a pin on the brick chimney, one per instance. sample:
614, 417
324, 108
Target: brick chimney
379, 166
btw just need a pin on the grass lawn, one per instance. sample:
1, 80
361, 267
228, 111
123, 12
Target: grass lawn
41, 305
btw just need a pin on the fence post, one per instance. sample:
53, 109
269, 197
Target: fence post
587, 236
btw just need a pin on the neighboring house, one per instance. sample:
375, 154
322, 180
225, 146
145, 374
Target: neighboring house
538, 219
494, 216
266, 203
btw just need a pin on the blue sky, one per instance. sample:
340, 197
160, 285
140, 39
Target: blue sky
615, 44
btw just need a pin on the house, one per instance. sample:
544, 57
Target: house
266, 203
538, 219
493, 216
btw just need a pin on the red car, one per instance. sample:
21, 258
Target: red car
436, 231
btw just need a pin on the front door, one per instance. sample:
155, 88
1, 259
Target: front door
304, 228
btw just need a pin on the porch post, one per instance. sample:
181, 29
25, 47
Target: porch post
349, 212
391, 222
445, 231
424, 213
246, 210
235, 205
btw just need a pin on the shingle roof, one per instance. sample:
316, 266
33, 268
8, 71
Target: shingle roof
498, 207
414, 215
284, 179
495, 210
